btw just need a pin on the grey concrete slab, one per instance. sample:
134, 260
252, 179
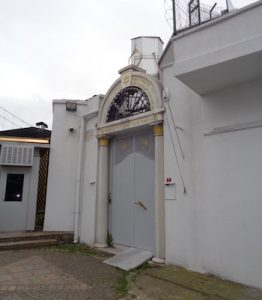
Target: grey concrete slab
129, 259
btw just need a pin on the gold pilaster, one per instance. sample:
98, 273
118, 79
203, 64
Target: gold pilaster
103, 142
158, 129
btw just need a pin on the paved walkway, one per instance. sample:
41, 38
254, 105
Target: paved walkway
48, 274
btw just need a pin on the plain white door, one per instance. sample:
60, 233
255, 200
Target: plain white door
13, 214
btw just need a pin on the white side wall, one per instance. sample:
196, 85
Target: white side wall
181, 209
216, 226
61, 187
231, 189
59, 213
87, 228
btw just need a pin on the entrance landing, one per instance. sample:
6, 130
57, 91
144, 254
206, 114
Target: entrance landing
23, 240
129, 259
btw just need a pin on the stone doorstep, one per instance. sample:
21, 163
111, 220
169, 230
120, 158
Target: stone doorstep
116, 249
66, 237
27, 244
129, 259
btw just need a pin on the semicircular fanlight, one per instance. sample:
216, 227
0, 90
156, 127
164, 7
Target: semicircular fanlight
129, 101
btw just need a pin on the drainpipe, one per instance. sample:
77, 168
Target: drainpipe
79, 171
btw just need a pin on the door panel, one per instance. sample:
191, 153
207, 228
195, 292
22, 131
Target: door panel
132, 211
13, 214
123, 191
144, 192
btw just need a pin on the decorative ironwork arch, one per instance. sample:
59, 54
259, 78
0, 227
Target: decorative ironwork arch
129, 101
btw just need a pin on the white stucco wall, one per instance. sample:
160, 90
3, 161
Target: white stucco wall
87, 228
216, 226
61, 187
59, 212
181, 214
231, 192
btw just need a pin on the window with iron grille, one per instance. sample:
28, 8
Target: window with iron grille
129, 101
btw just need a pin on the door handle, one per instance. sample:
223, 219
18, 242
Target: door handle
139, 203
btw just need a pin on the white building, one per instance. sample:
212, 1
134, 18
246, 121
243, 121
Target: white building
23, 173
171, 165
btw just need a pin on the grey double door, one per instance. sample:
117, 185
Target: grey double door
132, 190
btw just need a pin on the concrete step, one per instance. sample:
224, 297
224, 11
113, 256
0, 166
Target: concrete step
61, 237
129, 259
27, 244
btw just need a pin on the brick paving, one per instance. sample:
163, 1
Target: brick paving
48, 274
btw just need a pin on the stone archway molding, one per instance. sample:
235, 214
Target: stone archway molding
131, 76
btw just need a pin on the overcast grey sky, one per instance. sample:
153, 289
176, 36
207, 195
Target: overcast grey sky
73, 49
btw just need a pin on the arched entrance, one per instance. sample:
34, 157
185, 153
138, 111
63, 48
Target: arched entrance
130, 136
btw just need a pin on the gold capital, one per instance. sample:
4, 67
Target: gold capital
103, 142
158, 129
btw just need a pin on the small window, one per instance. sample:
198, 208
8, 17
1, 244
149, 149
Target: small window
14, 187
71, 106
